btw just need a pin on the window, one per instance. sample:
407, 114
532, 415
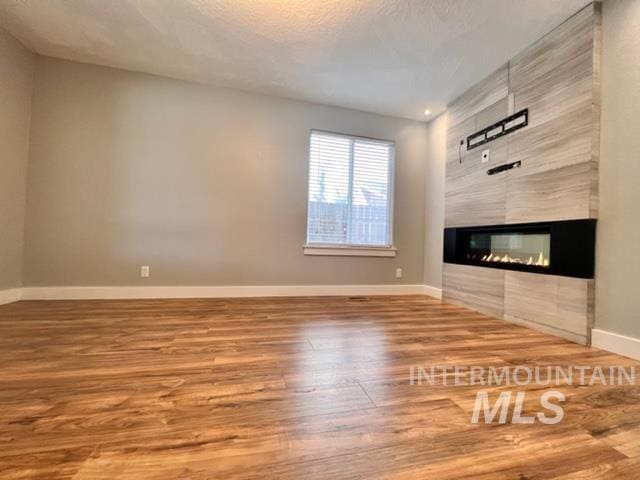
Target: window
350, 192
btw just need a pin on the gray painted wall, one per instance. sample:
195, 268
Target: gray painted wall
16, 82
618, 259
434, 194
206, 185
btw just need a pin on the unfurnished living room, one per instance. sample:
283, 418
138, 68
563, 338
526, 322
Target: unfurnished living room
332, 239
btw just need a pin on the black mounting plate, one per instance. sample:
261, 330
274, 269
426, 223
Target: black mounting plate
503, 127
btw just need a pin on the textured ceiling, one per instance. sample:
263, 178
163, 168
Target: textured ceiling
395, 57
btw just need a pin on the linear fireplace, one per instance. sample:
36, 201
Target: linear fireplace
564, 248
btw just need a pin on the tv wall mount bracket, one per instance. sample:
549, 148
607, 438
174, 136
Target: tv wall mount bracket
499, 129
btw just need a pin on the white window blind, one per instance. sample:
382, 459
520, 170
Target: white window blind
350, 191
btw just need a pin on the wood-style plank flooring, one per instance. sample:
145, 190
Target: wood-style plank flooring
289, 388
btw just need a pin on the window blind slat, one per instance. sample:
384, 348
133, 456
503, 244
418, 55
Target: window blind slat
349, 191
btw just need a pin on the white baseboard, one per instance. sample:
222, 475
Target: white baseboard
11, 295
616, 343
434, 292
113, 293
108, 293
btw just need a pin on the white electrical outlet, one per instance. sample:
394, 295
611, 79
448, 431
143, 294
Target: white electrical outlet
144, 271
398, 273
485, 155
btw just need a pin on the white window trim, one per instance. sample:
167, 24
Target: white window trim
358, 250
349, 251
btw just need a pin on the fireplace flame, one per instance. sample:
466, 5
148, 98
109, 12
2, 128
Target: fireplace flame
540, 261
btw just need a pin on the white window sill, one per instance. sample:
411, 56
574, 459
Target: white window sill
349, 251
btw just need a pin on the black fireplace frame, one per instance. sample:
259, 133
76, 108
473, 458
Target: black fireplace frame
572, 246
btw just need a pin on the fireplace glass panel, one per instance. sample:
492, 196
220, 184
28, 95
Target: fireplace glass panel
532, 249
565, 248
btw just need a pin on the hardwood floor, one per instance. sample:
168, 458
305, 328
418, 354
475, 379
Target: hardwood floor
290, 388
